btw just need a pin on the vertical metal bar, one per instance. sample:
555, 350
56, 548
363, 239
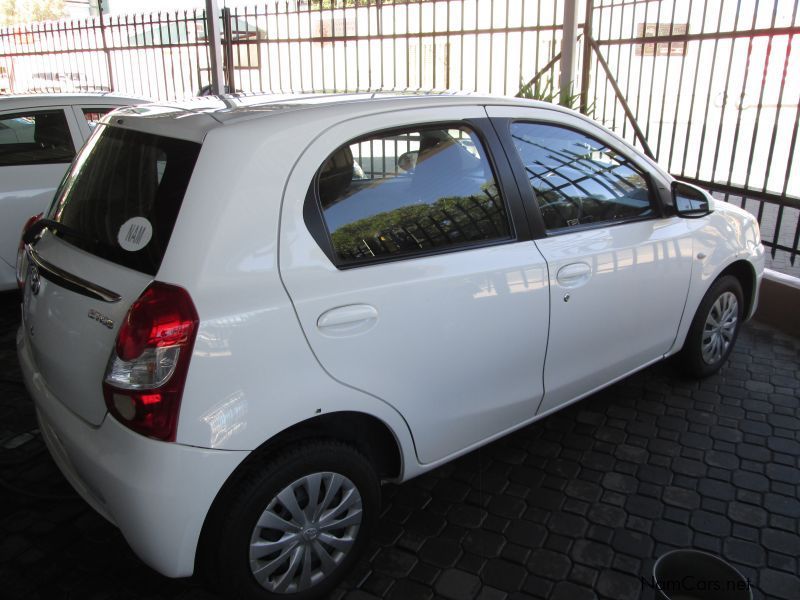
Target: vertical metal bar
433, 42
694, 89
587, 56
505, 53
666, 78
754, 135
197, 47
708, 100
785, 72
569, 42
680, 83
521, 69
311, 45
597, 69
741, 97
476, 37
630, 64
227, 49
725, 94
215, 47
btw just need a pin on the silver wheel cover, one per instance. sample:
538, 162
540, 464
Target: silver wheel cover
305, 532
719, 328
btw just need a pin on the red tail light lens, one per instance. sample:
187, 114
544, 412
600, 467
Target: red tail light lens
21, 250
147, 370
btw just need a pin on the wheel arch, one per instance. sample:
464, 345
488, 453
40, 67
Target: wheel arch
368, 434
745, 273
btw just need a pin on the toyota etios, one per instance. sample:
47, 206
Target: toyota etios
241, 314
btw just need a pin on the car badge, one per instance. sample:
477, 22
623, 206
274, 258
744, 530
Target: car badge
101, 318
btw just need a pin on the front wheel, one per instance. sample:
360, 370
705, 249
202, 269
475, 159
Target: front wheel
714, 329
296, 525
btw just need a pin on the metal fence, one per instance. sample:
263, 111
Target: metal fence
711, 89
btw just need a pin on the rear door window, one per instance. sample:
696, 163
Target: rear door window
35, 137
123, 195
410, 192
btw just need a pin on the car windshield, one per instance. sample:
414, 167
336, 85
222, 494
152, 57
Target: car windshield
123, 195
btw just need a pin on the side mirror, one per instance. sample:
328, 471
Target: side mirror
408, 160
690, 202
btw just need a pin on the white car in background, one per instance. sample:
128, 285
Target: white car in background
232, 333
39, 136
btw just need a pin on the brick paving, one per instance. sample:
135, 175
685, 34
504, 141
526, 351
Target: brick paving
576, 506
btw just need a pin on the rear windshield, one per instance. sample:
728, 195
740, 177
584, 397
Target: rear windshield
123, 194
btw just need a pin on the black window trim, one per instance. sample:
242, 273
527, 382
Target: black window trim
501, 170
503, 127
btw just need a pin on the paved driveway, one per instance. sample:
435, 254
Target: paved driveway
576, 506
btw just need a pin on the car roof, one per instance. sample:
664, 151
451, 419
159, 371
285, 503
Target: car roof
15, 101
193, 119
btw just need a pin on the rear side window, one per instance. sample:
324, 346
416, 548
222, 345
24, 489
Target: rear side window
35, 137
123, 195
410, 192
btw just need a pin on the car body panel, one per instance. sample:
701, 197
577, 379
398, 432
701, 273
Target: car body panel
482, 312
131, 479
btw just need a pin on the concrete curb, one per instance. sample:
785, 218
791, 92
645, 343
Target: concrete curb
779, 302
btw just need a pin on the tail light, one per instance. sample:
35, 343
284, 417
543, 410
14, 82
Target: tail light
21, 250
147, 369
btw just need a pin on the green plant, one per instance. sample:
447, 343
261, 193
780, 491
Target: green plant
547, 92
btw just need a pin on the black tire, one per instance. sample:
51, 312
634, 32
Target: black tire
701, 332
226, 551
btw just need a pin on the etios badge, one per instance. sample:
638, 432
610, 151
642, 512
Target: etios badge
101, 318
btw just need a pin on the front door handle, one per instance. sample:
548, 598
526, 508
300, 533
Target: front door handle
574, 275
347, 320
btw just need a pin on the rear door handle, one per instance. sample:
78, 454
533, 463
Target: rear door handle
347, 320
574, 274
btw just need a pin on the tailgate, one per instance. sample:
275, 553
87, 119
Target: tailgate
96, 252
69, 332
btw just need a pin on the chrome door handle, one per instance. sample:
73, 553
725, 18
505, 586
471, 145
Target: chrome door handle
347, 320
574, 274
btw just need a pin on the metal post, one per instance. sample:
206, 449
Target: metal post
227, 38
215, 47
569, 43
586, 63
105, 46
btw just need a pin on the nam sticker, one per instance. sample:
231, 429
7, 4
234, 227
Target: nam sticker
135, 234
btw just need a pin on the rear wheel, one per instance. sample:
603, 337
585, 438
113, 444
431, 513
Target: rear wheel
714, 329
295, 526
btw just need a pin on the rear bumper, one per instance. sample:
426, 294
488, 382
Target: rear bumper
157, 493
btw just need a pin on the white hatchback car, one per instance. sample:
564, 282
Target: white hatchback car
39, 137
241, 315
